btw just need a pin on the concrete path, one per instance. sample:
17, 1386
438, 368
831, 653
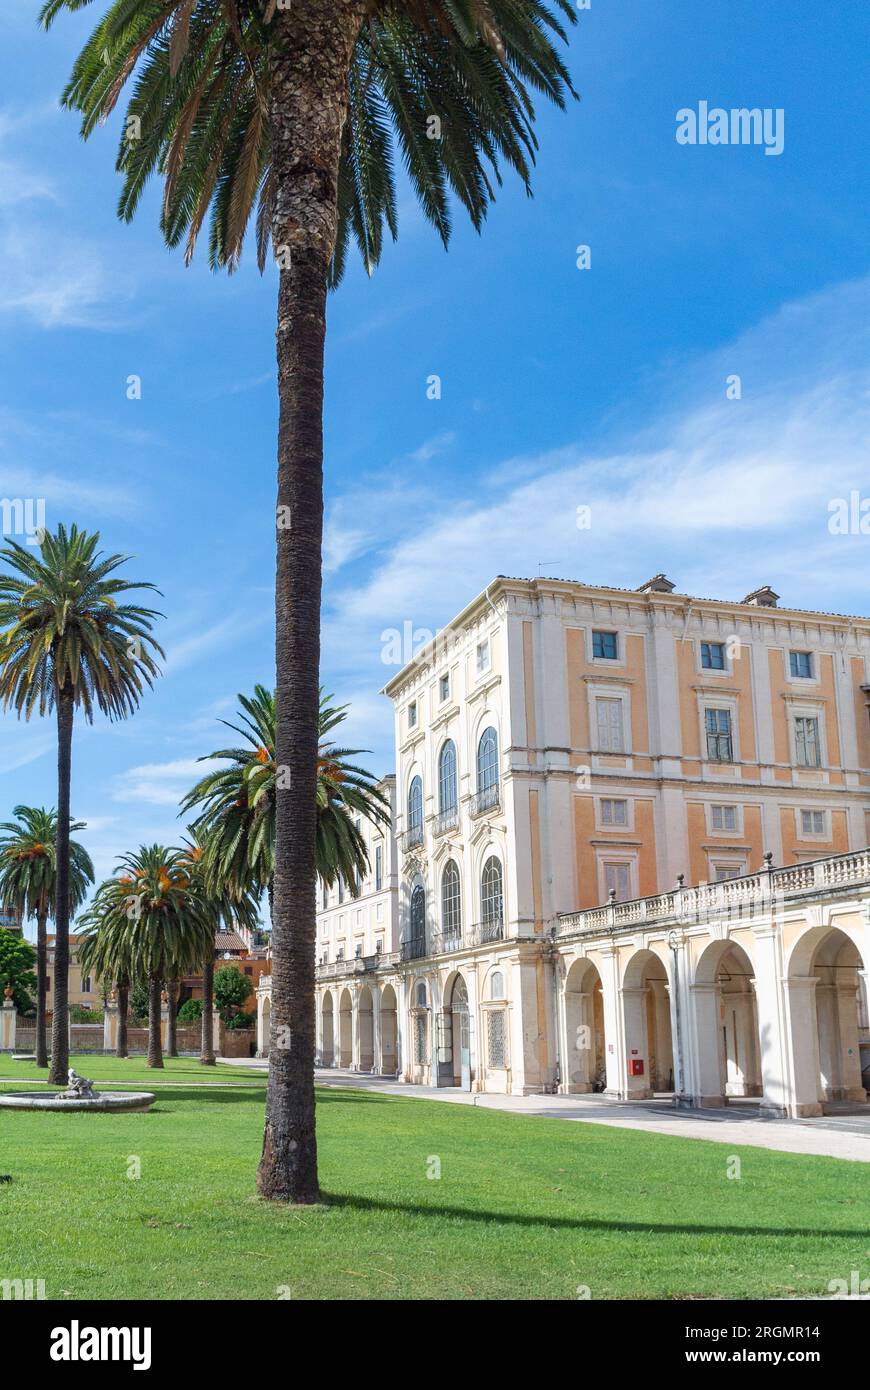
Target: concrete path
842, 1135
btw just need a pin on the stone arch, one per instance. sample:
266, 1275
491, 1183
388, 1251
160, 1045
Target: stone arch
727, 1038
646, 1015
585, 1052
327, 1031
389, 1032
345, 1029
365, 1029
455, 1033
824, 991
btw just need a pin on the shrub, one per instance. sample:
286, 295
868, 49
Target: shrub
190, 1011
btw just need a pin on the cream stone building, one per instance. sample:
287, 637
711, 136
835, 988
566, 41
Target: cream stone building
702, 770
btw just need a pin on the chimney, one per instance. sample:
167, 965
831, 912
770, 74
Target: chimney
659, 584
763, 597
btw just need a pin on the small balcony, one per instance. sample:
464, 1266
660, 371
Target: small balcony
412, 838
446, 820
483, 932
414, 949
487, 800
445, 943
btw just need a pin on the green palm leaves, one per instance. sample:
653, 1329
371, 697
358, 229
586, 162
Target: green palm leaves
64, 628
28, 862
448, 82
236, 821
153, 916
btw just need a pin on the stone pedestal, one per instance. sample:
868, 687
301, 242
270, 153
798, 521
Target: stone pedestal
7, 1026
110, 1026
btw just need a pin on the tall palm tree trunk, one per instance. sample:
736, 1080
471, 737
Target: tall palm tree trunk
206, 1056
41, 975
123, 1008
308, 102
60, 1020
155, 1048
173, 990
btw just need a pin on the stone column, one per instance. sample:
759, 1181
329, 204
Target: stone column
777, 1028
110, 1025
846, 1004
802, 1094
633, 1002
356, 1039
8, 1015
829, 1038
708, 1082
614, 1037
217, 1036
377, 1056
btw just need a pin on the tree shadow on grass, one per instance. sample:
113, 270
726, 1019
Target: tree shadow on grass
565, 1223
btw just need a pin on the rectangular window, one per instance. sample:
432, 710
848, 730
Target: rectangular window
617, 879
379, 868
614, 812
444, 688
812, 822
723, 817
611, 736
325, 899
412, 714
604, 645
482, 657
801, 664
717, 723
713, 656
725, 871
806, 742
496, 1038
380, 912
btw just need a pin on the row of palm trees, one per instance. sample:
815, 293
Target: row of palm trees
68, 645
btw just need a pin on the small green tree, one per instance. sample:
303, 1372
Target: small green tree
139, 1000
190, 1011
231, 989
17, 958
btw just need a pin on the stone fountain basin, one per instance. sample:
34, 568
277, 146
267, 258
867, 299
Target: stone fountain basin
116, 1100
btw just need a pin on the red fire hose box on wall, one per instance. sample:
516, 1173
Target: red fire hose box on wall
635, 1066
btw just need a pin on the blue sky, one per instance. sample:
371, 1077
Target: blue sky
561, 388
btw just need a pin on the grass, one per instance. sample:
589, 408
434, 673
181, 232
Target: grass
129, 1070
524, 1207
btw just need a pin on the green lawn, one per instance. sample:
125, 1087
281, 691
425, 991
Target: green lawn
130, 1070
524, 1207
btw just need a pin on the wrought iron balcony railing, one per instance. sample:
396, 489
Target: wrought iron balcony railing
485, 800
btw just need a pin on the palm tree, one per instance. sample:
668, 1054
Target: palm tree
28, 879
66, 643
290, 108
230, 906
156, 911
237, 822
106, 952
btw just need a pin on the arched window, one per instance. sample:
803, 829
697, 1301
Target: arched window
487, 761
417, 922
447, 779
492, 899
451, 901
496, 985
415, 811
420, 997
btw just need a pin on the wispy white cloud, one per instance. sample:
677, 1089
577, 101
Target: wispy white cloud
160, 784
722, 494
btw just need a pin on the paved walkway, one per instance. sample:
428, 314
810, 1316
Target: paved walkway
845, 1134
